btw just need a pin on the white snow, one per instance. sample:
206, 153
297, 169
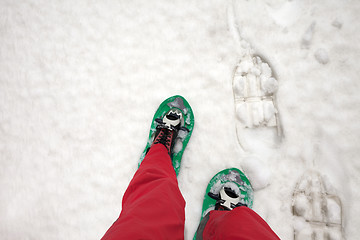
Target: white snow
178, 146
333, 211
337, 23
308, 36
81, 80
260, 176
321, 56
270, 85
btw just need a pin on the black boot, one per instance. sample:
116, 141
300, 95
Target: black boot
167, 129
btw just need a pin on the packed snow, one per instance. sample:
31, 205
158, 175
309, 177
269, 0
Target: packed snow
81, 80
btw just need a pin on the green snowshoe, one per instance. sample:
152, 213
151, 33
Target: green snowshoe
228, 189
176, 104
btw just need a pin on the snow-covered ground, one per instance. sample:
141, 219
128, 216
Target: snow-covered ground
80, 81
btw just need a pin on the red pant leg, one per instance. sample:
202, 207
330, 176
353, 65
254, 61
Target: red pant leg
153, 207
241, 223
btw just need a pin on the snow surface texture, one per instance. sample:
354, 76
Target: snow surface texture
317, 212
81, 80
255, 88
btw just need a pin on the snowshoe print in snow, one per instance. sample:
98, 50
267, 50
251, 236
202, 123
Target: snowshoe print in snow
228, 189
317, 213
173, 107
254, 88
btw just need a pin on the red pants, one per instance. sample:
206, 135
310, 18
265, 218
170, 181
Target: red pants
153, 208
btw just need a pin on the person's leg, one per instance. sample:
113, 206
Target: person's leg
241, 223
153, 207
